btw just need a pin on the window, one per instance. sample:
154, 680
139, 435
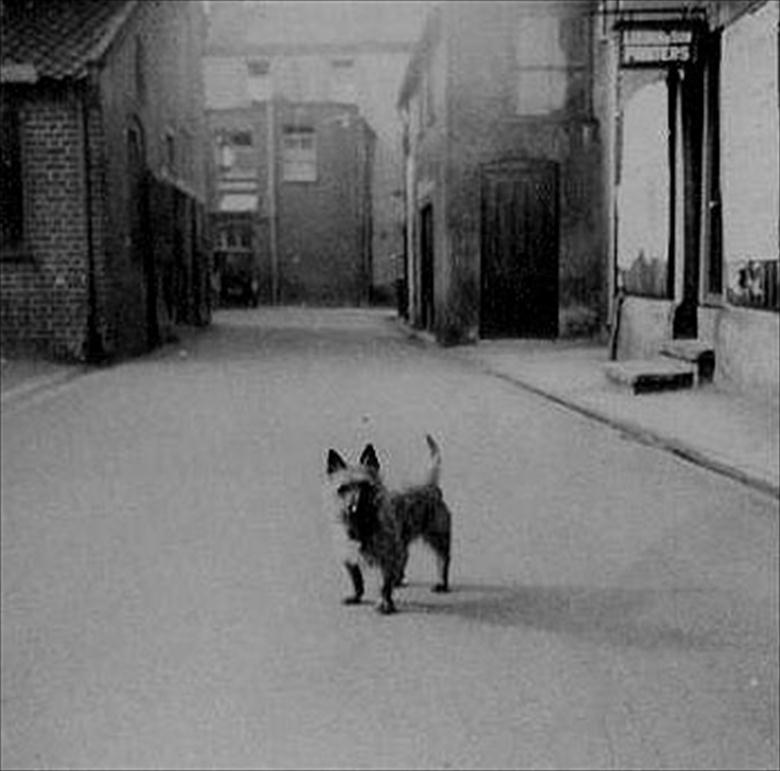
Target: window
241, 138
551, 57
342, 80
259, 80
299, 155
11, 190
749, 158
235, 237
234, 149
643, 195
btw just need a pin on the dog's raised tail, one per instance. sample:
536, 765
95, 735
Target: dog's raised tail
435, 469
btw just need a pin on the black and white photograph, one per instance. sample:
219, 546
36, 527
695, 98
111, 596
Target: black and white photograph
390, 384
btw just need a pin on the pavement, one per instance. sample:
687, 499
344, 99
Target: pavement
726, 432
721, 430
23, 377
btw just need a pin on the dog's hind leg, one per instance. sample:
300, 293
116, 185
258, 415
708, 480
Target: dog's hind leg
401, 580
357, 584
440, 543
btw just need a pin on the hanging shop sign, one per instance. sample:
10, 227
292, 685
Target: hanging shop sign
648, 47
659, 42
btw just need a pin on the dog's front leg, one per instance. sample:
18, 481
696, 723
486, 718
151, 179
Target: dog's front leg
357, 583
389, 581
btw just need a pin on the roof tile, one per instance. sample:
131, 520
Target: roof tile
60, 37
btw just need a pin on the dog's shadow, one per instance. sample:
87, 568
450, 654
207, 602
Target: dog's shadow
625, 617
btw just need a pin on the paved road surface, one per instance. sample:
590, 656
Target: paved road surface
169, 596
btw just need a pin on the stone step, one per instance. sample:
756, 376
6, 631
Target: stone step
695, 352
649, 375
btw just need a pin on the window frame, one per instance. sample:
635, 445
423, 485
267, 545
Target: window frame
570, 68
300, 156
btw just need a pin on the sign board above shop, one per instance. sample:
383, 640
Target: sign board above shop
648, 47
659, 37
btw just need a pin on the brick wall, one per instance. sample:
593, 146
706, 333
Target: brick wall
321, 255
44, 287
323, 226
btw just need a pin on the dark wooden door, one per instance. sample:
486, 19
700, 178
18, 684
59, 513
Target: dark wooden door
426, 266
140, 223
520, 251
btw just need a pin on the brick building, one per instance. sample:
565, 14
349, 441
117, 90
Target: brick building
334, 68
505, 221
103, 178
689, 102
292, 195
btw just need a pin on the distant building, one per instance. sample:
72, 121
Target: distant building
103, 175
505, 217
325, 219
295, 228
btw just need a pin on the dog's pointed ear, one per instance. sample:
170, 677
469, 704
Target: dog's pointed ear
368, 458
335, 462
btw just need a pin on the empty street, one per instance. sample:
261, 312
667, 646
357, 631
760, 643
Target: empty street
171, 597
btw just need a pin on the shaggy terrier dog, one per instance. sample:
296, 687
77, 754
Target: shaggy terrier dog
376, 526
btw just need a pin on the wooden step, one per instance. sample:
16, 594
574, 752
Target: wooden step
649, 375
695, 352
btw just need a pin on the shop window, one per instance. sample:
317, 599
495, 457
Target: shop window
299, 155
11, 187
750, 158
643, 196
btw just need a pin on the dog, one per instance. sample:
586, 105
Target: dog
375, 526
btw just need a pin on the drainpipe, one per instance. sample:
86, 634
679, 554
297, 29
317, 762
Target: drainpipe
271, 176
95, 351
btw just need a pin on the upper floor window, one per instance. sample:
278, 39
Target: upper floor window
235, 152
259, 79
11, 189
550, 59
342, 73
299, 154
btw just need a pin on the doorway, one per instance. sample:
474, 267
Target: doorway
519, 273
139, 222
426, 267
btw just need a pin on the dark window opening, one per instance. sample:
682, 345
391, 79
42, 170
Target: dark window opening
258, 68
11, 189
241, 138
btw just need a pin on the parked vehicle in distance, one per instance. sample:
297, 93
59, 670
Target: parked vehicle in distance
238, 277
235, 261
